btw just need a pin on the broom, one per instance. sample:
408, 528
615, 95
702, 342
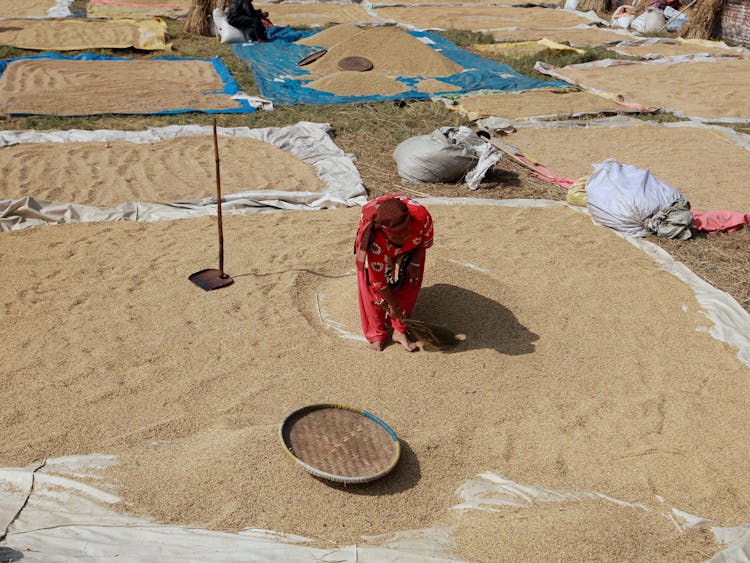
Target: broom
702, 20
432, 335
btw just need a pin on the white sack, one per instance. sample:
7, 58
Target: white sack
650, 21
226, 32
622, 17
621, 196
447, 155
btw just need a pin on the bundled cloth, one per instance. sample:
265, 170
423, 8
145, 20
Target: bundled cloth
673, 221
447, 155
635, 203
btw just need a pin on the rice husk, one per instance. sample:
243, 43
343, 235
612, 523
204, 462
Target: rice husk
351, 83
391, 50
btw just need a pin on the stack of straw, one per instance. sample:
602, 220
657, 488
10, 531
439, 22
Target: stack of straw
702, 19
198, 20
599, 6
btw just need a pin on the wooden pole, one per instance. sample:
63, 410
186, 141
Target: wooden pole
218, 203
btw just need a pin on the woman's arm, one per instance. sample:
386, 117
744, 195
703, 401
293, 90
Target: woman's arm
413, 271
394, 309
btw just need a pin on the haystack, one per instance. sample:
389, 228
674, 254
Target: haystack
640, 7
599, 6
703, 19
198, 20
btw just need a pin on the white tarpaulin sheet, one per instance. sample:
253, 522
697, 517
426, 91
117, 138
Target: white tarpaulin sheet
48, 514
310, 142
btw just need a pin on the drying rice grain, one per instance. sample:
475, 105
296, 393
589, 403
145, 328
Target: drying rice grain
391, 50
350, 83
432, 85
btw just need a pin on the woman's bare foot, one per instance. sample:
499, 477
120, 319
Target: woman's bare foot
377, 345
403, 339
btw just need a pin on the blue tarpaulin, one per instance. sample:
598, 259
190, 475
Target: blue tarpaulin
274, 65
230, 86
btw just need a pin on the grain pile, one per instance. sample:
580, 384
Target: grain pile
583, 38
392, 51
78, 33
350, 83
679, 48
108, 174
139, 8
557, 385
25, 8
433, 85
316, 14
481, 17
83, 87
714, 176
517, 105
680, 87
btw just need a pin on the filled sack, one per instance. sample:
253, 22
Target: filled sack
448, 154
650, 21
226, 33
622, 197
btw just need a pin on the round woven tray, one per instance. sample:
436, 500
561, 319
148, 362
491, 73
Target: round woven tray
357, 64
340, 443
312, 57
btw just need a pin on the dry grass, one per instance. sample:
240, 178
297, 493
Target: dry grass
371, 131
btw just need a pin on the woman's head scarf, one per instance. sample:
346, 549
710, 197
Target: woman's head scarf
392, 214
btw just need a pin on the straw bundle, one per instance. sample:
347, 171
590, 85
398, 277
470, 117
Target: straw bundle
599, 6
640, 7
198, 19
702, 19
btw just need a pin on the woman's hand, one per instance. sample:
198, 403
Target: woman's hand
413, 274
388, 302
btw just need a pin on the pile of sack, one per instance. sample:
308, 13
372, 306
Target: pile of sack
447, 155
656, 18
